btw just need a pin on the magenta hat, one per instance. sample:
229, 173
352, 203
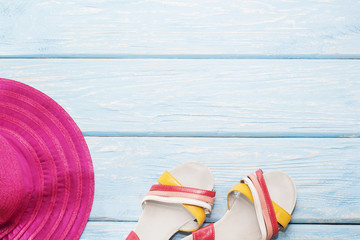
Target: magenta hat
46, 172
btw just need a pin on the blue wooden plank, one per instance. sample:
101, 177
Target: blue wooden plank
326, 172
214, 97
119, 230
52, 28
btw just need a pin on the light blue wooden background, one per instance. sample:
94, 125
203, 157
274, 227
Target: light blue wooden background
237, 85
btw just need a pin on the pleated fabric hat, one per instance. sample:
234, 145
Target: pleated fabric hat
46, 172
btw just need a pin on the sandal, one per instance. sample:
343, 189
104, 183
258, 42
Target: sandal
262, 205
179, 203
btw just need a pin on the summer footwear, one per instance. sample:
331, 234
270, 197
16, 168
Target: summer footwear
179, 203
262, 205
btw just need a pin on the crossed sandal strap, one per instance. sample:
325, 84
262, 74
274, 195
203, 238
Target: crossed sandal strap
268, 212
264, 207
180, 192
258, 208
197, 201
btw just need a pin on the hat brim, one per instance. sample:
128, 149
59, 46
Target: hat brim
57, 166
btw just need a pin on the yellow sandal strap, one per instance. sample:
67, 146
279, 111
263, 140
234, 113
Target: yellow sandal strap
198, 212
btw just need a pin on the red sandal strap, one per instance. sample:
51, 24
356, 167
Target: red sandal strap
205, 233
269, 204
132, 236
169, 188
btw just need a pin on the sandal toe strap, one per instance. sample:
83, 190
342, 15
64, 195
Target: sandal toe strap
268, 212
132, 236
205, 233
197, 201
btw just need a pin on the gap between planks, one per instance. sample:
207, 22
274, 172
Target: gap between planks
299, 231
221, 135
296, 223
186, 56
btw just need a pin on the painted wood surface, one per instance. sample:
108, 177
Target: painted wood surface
119, 230
261, 98
154, 83
325, 171
124, 28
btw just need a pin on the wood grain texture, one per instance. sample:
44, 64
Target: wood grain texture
326, 172
120, 230
93, 27
166, 83
261, 98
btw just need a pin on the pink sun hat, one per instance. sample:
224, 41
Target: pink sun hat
46, 172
